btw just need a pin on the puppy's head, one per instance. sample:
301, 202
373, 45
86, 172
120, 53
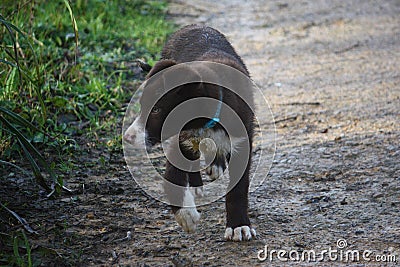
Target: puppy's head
157, 100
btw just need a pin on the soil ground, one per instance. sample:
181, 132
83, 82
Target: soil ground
330, 71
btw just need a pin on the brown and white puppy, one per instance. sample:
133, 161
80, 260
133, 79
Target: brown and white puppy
200, 43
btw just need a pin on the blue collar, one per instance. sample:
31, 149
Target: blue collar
211, 123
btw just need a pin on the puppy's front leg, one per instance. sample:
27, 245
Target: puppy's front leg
181, 198
238, 227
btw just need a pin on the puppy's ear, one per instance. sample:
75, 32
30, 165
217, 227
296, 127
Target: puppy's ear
160, 65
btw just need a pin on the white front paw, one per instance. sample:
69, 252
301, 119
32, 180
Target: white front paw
187, 218
241, 233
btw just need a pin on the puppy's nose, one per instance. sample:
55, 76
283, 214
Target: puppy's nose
135, 134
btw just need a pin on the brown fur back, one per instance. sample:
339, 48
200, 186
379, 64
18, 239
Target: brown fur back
196, 42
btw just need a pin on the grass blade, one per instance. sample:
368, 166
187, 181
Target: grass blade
9, 26
15, 166
28, 149
35, 168
19, 120
74, 26
28, 249
20, 219
16, 252
8, 62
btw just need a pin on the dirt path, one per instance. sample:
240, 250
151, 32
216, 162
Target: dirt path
331, 72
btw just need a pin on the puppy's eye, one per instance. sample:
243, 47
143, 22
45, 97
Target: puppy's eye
155, 110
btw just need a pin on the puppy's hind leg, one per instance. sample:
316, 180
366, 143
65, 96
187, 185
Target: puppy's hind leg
196, 183
217, 167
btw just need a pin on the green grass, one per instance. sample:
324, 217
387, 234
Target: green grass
58, 88
47, 80
21, 250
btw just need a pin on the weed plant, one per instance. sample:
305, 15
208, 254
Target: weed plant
67, 70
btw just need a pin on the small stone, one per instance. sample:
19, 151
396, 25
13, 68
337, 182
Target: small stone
377, 195
66, 199
359, 232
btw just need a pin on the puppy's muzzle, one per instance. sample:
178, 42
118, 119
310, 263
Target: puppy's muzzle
135, 134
